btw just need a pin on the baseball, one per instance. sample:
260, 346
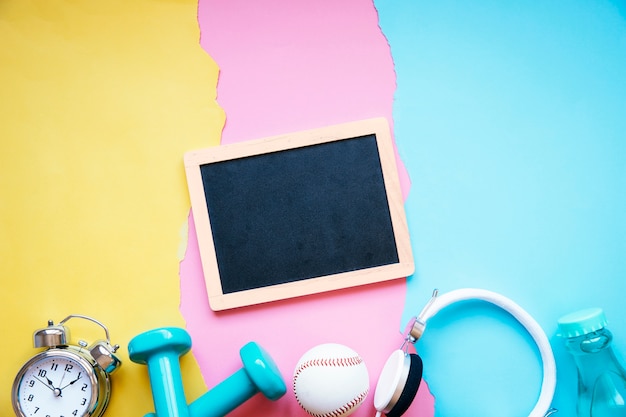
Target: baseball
330, 380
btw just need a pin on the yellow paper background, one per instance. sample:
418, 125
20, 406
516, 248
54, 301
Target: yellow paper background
99, 102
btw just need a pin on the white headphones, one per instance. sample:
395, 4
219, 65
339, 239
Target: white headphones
402, 373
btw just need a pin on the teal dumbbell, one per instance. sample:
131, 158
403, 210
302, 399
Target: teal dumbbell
160, 350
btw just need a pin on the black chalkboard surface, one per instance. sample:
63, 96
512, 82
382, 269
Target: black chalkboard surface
298, 214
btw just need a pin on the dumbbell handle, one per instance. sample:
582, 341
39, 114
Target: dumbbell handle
167, 385
221, 399
224, 397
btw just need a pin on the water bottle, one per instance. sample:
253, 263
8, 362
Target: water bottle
601, 378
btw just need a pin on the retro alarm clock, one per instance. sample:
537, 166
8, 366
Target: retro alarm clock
70, 380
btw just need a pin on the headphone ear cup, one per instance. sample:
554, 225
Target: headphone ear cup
410, 388
398, 383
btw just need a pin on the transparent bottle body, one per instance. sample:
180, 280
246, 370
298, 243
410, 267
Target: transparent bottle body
601, 378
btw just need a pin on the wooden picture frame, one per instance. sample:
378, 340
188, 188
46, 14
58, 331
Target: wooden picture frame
299, 214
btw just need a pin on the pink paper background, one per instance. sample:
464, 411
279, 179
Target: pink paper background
287, 66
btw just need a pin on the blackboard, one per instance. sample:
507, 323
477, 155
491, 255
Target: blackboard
298, 214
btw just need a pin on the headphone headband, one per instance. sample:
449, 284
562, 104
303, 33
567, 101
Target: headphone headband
438, 303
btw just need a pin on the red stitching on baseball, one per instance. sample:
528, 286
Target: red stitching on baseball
331, 362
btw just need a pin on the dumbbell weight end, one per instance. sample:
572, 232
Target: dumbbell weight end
259, 374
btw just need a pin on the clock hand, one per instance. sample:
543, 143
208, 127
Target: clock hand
62, 378
49, 384
57, 391
79, 376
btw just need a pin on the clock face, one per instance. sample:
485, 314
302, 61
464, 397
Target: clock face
56, 385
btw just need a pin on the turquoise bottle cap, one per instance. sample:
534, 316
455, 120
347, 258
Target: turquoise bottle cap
581, 322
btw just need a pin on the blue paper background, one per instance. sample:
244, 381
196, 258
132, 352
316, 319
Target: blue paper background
511, 119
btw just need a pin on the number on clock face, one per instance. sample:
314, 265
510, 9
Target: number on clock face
55, 386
